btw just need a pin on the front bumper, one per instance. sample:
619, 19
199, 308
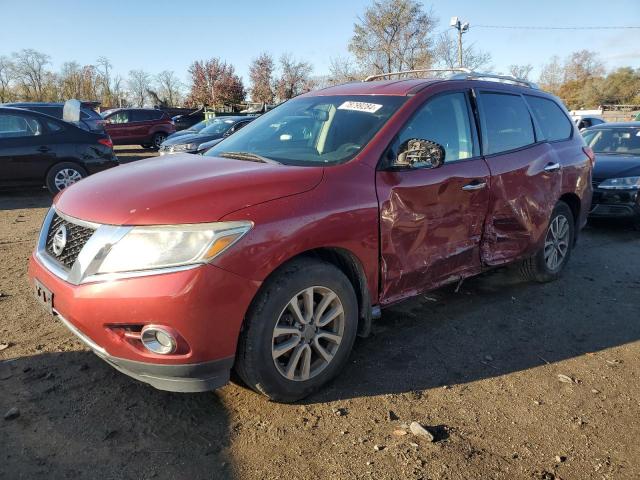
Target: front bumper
615, 204
204, 305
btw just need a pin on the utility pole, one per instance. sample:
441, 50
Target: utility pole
462, 28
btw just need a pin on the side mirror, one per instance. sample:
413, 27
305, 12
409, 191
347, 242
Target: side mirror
418, 153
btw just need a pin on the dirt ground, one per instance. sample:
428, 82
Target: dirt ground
480, 368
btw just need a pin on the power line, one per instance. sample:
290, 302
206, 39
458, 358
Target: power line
514, 27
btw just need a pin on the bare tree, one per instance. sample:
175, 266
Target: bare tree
446, 53
582, 65
551, 75
119, 97
261, 77
342, 70
169, 87
294, 77
521, 71
393, 35
5, 79
28, 68
104, 68
138, 83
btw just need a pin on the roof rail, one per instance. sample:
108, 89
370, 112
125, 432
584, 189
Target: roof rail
493, 77
458, 74
420, 70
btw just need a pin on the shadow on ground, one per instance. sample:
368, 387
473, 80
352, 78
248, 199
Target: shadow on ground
81, 419
497, 324
23, 198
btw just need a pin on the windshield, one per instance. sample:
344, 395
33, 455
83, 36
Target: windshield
622, 141
313, 130
199, 126
217, 125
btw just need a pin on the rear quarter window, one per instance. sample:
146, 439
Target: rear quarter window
506, 122
551, 119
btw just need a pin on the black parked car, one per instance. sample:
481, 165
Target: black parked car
37, 149
218, 127
616, 174
182, 122
89, 118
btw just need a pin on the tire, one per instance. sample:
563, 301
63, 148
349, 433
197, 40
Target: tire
540, 267
64, 174
157, 139
258, 345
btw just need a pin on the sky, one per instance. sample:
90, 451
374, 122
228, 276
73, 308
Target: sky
168, 35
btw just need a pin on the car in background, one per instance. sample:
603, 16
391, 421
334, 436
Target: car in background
584, 121
218, 127
616, 174
37, 149
148, 127
89, 119
191, 130
182, 122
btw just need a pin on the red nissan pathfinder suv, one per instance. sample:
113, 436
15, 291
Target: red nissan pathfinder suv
269, 254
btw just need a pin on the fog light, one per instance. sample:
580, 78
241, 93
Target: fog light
158, 340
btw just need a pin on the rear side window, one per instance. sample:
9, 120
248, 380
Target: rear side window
12, 126
145, 115
506, 123
552, 121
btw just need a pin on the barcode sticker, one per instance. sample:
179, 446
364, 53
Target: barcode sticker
360, 106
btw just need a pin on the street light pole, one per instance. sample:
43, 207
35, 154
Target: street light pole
462, 28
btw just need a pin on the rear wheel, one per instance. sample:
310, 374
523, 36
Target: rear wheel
299, 331
64, 175
547, 264
157, 140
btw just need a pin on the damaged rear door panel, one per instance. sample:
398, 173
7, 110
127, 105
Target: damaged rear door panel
526, 178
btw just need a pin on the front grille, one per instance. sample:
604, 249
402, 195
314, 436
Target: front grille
77, 237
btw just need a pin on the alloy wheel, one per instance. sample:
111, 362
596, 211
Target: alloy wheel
158, 139
556, 244
66, 177
308, 333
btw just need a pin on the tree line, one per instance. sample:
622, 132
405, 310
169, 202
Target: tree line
391, 35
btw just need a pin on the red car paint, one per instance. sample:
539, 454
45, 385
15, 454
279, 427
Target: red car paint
407, 231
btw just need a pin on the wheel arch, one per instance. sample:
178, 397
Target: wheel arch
573, 201
351, 266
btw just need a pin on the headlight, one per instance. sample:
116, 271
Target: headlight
625, 183
154, 247
191, 146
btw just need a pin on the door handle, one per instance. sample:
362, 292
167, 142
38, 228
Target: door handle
474, 186
44, 149
552, 167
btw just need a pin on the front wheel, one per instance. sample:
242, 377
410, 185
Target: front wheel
547, 264
157, 140
64, 175
299, 331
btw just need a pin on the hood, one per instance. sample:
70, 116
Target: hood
181, 188
191, 138
179, 133
616, 166
210, 143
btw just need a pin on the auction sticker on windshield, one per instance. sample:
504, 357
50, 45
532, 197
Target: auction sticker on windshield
360, 106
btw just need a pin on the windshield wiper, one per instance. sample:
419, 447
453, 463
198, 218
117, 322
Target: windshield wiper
251, 157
